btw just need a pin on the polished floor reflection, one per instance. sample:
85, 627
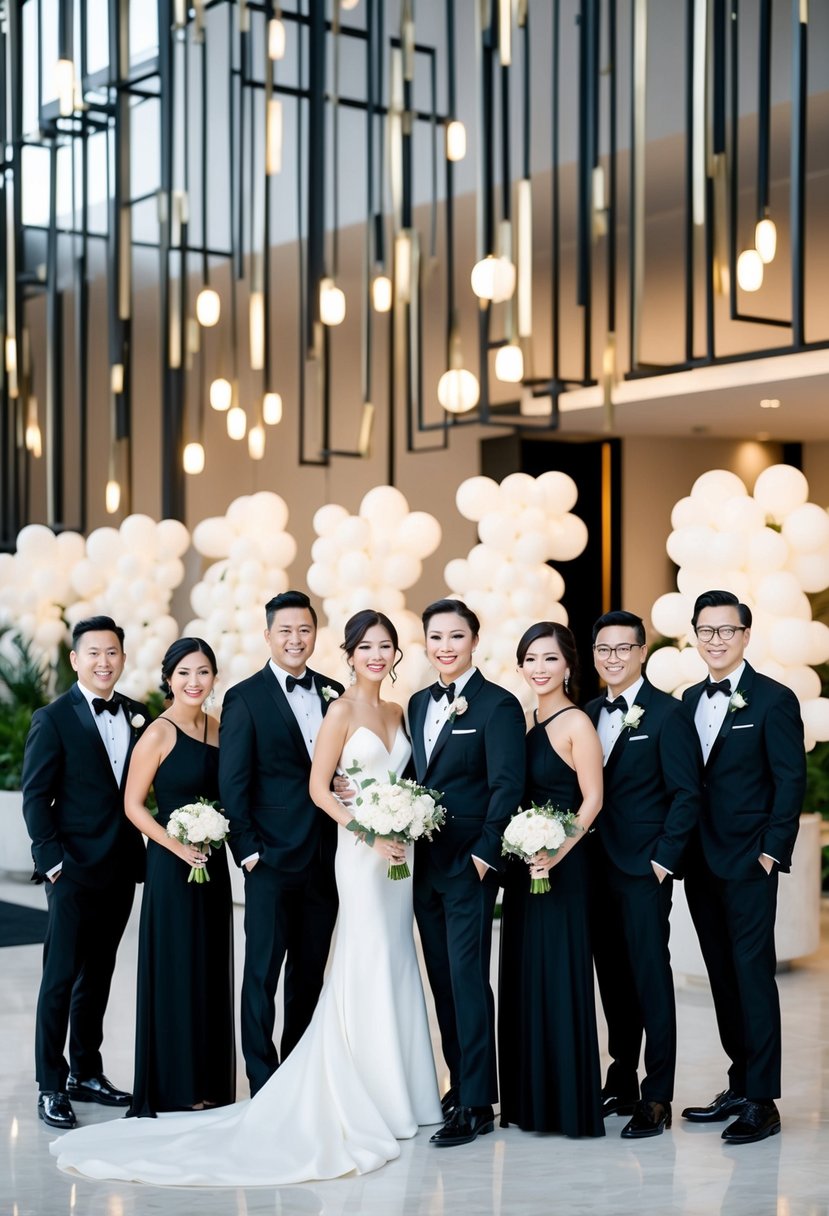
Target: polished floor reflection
688, 1171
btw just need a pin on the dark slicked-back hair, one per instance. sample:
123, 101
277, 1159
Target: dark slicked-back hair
458, 607
721, 599
289, 599
629, 619
96, 624
177, 652
563, 638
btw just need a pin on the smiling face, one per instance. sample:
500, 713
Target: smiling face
373, 655
192, 680
291, 637
722, 655
544, 667
99, 661
450, 645
617, 670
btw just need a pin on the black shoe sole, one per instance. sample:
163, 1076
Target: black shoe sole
60, 1126
655, 1131
772, 1131
81, 1095
483, 1130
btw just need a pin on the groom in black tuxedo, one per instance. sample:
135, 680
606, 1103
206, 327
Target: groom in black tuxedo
468, 743
652, 794
90, 856
751, 741
284, 843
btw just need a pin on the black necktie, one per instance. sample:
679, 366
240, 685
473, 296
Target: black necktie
723, 686
442, 690
305, 682
99, 705
616, 703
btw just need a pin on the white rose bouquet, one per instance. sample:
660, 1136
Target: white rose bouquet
397, 809
199, 823
540, 827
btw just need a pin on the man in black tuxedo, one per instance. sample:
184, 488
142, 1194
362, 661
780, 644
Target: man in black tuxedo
751, 741
284, 843
652, 795
468, 743
84, 847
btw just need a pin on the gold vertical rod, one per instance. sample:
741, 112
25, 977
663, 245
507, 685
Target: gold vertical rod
607, 522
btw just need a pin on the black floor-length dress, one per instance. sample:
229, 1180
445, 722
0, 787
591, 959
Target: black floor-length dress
550, 1079
184, 1037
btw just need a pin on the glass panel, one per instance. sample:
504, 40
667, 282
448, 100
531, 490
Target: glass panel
97, 35
143, 30
48, 47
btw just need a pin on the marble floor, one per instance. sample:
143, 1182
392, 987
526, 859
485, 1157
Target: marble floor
688, 1171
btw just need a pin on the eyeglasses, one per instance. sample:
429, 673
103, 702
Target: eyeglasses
622, 651
725, 633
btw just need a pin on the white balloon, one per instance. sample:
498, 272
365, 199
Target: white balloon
767, 552
568, 537
245, 596
671, 615
419, 534
171, 538
728, 550
815, 715
531, 547
498, 531
269, 511
200, 599
480, 559
138, 535
663, 668
780, 593
322, 580
780, 490
740, 514
477, 497
36, 543
818, 643
401, 571
692, 667
806, 529
457, 574
50, 633
690, 546
71, 548
560, 491
354, 569
278, 549
325, 550
241, 514
811, 570
715, 487
385, 506
803, 681
170, 574
213, 537
243, 549
789, 642
328, 518
353, 533
687, 512
517, 489
103, 546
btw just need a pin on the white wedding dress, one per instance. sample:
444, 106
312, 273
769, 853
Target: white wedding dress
361, 1078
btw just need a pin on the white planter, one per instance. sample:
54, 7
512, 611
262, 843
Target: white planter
15, 846
797, 929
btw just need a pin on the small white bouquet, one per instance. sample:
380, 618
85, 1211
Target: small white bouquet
397, 809
539, 827
199, 823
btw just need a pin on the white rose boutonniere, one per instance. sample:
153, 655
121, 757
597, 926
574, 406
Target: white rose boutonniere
328, 693
633, 717
459, 706
738, 700
137, 721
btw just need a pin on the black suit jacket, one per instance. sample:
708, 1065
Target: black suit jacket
652, 786
477, 764
264, 768
754, 779
72, 803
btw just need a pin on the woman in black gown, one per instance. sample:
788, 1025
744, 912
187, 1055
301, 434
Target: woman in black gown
548, 1048
184, 1035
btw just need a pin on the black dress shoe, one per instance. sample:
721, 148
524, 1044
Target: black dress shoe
450, 1101
96, 1089
757, 1121
56, 1110
464, 1126
725, 1104
614, 1104
649, 1119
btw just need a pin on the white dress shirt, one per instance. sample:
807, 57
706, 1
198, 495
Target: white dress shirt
609, 726
438, 712
711, 712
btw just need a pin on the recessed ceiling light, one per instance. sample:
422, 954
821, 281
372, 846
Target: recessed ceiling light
770, 403
700, 430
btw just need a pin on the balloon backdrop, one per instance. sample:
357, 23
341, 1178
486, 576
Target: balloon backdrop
36, 586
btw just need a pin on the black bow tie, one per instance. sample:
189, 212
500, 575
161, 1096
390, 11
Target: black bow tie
723, 686
306, 682
442, 690
99, 705
616, 703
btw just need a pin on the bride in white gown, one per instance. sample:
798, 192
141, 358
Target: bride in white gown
363, 1076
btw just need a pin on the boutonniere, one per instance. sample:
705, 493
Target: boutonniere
633, 717
328, 693
738, 700
137, 721
459, 706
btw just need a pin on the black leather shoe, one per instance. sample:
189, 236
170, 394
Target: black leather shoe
649, 1119
464, 1126
450, 1101
756, 1121
96, 1089
725, 1104
56, 1110
614, 1104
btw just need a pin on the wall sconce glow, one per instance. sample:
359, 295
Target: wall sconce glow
272, 409
332, 303
455, 140
403, 251
256, 316
256, 442
193, 458
11, 355
765, 240
750, 270
493, 279
276, 39
208, 307
349, 4
65, 86
237, 423
116, 379
458, 390
33, 437
112, 496
509, 364
221, 394
770, 403
273, 137
381, 293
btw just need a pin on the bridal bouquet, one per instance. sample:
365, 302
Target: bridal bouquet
539, 827
397, 809
199, 823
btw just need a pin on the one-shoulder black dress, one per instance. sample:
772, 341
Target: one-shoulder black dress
550, 1079
185, 1050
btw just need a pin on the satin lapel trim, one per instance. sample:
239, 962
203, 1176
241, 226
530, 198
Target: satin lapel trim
416, 727
319, 684
87, 721
730, 715
619, 746
474, 686
280, 700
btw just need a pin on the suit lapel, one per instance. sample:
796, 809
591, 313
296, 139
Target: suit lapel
617, 751
473, 686
417, 714
85, 715
319, 683
728, 720
274, 691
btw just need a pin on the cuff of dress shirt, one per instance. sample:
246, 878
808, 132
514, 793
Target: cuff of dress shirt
774, 859
252, 857
54, 870
661, 867
481, 860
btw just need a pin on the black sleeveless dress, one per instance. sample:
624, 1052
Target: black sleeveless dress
185, 1050
550, 1079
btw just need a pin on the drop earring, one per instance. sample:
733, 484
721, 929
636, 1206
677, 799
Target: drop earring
352, 675
567, 684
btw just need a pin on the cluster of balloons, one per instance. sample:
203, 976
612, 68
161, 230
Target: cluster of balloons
522, 524
770, 548
254, 551
370, 560
36, 586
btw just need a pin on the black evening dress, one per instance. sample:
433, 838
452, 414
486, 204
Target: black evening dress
185, 1050
548, 1049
